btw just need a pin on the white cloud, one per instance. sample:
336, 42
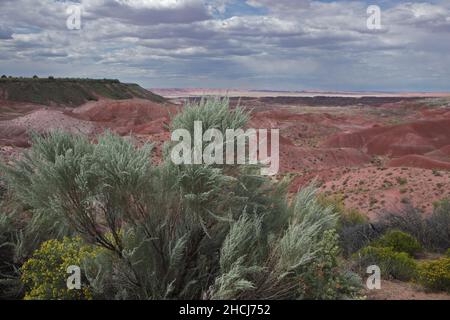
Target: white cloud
301, 44
280, 5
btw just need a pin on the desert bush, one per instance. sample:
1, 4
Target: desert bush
45, 273
3, 189
400, 242
322, 279
181, 231
355, 237
397, 265
10, 286
438, 225
299, 263
20, 235
435, 275
433, 232
347, 216
213, 113
354, 229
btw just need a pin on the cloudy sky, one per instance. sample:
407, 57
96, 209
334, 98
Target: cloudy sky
252, 44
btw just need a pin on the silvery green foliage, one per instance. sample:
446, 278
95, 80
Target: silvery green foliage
271, 268
174, 232
214, 113
10, 286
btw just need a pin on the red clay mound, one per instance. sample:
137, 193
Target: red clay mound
47, 119
13, 136
125, 116
440, 113
414, 138
445, 150
15, 132
125, 112
417, 161
443, 154
11, 109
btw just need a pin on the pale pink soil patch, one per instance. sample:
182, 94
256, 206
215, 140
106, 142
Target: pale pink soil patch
378, 190
397, 290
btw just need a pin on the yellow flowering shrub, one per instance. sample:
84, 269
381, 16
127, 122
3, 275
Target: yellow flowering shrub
45, 273
435, 275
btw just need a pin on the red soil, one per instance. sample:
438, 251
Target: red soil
413, 138
294, 159
397, 290
353, 150
435, 113
15, 132
418, 161
442, 154
140, 117
128, 116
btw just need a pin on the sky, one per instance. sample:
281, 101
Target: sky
233, 44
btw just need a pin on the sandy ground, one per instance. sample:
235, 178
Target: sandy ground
376, 190
396, 290
48, 119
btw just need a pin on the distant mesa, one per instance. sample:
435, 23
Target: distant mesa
70, 92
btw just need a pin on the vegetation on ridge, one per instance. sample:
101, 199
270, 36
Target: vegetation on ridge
70, 92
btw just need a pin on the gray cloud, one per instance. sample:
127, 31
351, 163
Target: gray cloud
294, 45
138, 12
5, 33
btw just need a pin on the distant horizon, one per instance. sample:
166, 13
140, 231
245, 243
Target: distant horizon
238, 89
293, 91
349, 92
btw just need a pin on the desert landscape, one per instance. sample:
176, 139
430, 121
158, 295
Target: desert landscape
379, 152
213, 152
372, 156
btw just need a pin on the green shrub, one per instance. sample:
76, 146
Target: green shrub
432, 231
435, 275
10, 286
354, 229
45, 273
397, 265
400, 242
347, 216
321, 281
447, 253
